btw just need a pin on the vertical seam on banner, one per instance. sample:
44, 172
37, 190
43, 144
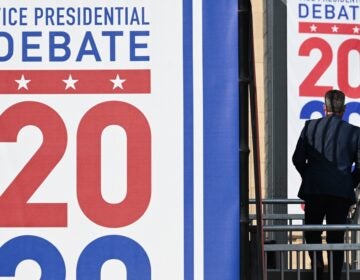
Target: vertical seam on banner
188, 142
198, 142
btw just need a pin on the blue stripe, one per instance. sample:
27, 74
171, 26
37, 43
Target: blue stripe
221, 134
188, 142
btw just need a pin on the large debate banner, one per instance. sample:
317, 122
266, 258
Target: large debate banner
323, 53
119, 140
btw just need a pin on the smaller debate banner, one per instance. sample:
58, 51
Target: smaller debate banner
323, 53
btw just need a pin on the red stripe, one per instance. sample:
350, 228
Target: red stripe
327, 28
89, 81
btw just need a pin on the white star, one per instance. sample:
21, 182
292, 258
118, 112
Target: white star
22, 83
118, 82
313, 28
70, 82
334, 28
356, 29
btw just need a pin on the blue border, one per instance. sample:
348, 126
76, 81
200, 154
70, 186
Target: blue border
221, 134
188, 141
221, 140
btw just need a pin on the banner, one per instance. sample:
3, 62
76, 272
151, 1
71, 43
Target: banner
323, 53
119, 140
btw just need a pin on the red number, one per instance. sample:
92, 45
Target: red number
138, 164
308, 87
343, 69
15, 211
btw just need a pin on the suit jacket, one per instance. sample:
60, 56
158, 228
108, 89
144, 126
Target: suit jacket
324, 157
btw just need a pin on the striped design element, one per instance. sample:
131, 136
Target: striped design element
75, 81
329, 28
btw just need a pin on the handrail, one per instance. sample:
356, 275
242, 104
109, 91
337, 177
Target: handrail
279, 217
347, 227
312, 247
278, 201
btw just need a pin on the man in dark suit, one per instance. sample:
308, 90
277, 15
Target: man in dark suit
324, 155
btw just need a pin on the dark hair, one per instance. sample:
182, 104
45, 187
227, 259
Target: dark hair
335, 101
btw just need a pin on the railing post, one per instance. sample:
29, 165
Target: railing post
331, 266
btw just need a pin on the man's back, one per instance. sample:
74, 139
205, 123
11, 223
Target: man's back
324, 156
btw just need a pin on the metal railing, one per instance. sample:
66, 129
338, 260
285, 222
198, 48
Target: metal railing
300, 251
297, 252
292, 257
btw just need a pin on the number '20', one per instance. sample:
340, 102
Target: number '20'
309, 85
14, 201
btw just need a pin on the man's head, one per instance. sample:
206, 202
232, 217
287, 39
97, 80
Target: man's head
334, 102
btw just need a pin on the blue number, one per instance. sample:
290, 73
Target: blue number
317, 107
33, 248
351, 108
310, 108
113, 247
